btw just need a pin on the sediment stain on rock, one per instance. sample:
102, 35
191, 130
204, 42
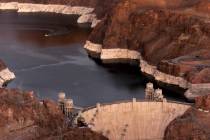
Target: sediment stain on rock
171, 38
5, 74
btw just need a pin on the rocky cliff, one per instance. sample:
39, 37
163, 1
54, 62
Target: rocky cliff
194, 124
168, 39
24, 117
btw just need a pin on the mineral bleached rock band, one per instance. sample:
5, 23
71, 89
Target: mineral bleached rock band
5, 76
116, 53
86, 14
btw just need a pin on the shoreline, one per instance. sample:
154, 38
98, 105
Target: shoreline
115, 56
86, 14
109, 56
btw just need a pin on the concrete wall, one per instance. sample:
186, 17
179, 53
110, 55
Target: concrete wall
133, 120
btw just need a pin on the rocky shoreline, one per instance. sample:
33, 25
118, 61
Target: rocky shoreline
128, 56
127, 48
168, 44
85, 14
5, 75
171, 46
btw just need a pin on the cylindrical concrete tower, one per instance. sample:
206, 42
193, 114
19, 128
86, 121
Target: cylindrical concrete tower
149, 91
68, 106
61, 99
158, 96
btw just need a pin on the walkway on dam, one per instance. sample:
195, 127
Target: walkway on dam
133, 120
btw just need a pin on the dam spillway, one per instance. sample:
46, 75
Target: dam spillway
133, 120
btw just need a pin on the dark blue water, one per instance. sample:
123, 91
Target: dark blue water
49, 65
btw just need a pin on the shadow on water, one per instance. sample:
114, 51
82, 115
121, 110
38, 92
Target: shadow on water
140, 79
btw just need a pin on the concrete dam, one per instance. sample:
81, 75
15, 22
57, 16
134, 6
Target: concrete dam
133, 120
128, 120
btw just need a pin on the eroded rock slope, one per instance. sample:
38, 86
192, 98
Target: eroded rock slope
194, 124
168, 39
24, 117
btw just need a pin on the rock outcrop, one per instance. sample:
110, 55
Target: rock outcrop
86, 14
5, 75
100, 7
168, 39
89, 11
24, 117
194, 124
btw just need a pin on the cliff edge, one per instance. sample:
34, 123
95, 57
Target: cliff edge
169, 40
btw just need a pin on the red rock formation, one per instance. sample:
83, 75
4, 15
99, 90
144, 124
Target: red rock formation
203, 102
176, 41
171, 36
170, 39
77, 134
23, 117
194, 124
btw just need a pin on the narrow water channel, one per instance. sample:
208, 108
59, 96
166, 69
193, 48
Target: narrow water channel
58, 62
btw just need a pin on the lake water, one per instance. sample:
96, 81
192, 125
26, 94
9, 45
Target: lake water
50, 64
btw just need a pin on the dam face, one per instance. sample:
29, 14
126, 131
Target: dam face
133, 120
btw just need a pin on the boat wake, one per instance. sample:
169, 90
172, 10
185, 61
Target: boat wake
43, 66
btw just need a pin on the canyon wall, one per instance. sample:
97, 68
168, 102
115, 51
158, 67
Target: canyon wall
167, 39
170, 41
193, 124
